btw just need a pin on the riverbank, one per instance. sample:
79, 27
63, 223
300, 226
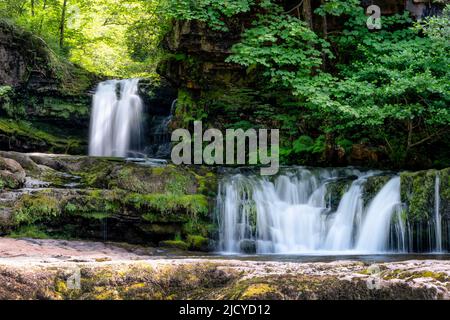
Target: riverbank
57, 269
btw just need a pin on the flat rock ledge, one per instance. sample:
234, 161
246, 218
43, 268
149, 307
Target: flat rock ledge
56, 269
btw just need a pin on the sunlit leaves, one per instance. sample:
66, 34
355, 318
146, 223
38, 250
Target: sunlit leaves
211, 12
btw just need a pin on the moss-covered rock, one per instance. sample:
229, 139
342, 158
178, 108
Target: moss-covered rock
419, 197
39, 86
335, 192
174, 244
417, 191
444, 176
372, 186
28, 136
197, 243
12, 175
98, 198
143, 214
112, 276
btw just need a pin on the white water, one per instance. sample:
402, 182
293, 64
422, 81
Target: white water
116, 119
348, 214
437, 214
376, 227
292, 214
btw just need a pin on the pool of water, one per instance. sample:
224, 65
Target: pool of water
375, 258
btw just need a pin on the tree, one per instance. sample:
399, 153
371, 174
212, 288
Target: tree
62, 24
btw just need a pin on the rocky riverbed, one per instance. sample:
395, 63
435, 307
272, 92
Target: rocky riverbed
57, 269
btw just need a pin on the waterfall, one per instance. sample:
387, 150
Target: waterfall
116, 126
437, 214
293, 213
375, 229
350, 210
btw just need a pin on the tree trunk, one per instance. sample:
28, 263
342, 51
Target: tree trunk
325, 36
62, 25
307, 12
44, 6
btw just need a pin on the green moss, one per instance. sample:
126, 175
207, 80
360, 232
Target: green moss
195, 205
29, 231
175, 244
411, 275
33, 208
197, 243
6, 94
31, 134
64, 211
335, 192
95, 204
8, 182
94, 172
207, 183
64, 109
417, 191
372, 186
179, 183
168, 179
258, 290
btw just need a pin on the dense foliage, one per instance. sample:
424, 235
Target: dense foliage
349, 84
112, 38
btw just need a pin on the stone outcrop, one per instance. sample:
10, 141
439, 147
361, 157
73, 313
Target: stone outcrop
199, 56
28, 63
76, 270
106, 198
44, 99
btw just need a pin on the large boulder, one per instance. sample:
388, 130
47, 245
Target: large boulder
12, 175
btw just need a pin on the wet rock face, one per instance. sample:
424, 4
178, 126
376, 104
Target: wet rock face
201, 54
419, 198
157, 97
248, 246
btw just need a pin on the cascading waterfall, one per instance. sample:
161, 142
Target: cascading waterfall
349, 212
292, 214
116, 126
437, 214
375, 229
